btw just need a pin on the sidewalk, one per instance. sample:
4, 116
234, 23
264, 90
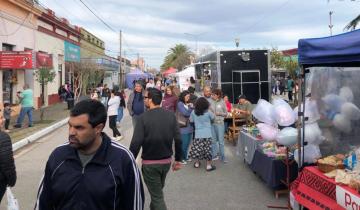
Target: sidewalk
52, 114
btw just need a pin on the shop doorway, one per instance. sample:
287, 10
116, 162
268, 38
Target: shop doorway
7, 86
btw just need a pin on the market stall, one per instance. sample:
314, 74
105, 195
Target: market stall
184, 77
134, 76
329, 123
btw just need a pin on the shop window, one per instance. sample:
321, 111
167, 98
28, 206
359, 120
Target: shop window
7, 87
7, 47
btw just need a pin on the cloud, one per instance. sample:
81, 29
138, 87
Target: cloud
152, 27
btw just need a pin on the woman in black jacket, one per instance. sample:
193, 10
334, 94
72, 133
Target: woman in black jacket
7, 165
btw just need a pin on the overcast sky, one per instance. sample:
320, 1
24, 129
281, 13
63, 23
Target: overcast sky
151, 27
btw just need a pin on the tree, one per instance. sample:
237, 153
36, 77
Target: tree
276, 58
352, 25
44, 75
85, 73
177, 57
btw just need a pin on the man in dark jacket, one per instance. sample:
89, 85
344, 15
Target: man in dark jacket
155, 132
90, 172
7, 165
135, 104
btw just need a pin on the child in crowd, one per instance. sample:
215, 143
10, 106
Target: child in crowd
7, 115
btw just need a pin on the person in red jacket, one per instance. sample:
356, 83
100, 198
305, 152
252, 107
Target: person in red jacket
169, 101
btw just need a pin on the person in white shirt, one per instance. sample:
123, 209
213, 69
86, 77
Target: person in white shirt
113, 106
150, 84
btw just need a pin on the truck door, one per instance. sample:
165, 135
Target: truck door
246, 82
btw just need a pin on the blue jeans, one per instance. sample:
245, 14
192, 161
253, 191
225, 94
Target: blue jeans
23, 112
186, 139
218, 140
120, 114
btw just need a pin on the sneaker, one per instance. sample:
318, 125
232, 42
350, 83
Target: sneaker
189, 160
225, 161
119, 138
183, 162
17, 126
216, 158
7, 131
212, 167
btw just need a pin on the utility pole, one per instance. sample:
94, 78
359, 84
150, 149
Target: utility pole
120, 67
331, 25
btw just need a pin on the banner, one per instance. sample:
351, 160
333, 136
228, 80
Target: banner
72, 52
16, 60
347, 199
44, 60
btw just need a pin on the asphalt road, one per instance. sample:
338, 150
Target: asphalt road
231, 187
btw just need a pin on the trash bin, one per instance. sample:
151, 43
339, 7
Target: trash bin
70, 103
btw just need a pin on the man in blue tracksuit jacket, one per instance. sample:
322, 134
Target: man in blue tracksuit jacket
90, 172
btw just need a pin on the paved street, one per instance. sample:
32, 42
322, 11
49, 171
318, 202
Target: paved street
230, 187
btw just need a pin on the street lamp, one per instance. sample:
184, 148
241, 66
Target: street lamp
237, 42
196, 37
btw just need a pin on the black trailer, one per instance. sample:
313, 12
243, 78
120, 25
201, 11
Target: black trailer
237, 72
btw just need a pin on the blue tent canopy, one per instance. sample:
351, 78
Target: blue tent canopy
134, 75
335, 50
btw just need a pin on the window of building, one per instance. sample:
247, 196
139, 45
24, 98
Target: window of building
7, 47
88, 38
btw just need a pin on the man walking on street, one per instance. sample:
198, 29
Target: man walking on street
155, 132
27, 103
135, 104
90, 172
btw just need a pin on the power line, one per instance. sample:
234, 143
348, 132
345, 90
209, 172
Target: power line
21, 25
107, 25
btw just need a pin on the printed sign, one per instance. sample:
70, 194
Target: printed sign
44, 60
16, 60
72, 52
347, 199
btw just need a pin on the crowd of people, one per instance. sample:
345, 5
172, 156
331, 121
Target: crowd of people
95, 167
279, 86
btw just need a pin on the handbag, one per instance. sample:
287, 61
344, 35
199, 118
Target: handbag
181, 119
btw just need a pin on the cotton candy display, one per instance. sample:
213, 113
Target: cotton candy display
333, 102
287, 136
313, 134
347, 94
284, 115
350, 111
278, 101
342, 123
311, 111
267, 132
311, 154
264, 112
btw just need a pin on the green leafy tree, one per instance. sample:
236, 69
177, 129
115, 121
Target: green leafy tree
276, 59
44, 75
177, 57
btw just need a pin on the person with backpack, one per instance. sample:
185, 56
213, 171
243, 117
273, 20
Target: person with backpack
290, 86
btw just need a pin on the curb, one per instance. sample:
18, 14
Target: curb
36, 136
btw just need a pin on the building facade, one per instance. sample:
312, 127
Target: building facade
18, 43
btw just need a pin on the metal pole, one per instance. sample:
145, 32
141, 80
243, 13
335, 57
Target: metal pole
120, 66
331, 25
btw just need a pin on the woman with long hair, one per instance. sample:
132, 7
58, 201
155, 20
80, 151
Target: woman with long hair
170, 100
218, 107
184, 107
113, 106
201, 147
